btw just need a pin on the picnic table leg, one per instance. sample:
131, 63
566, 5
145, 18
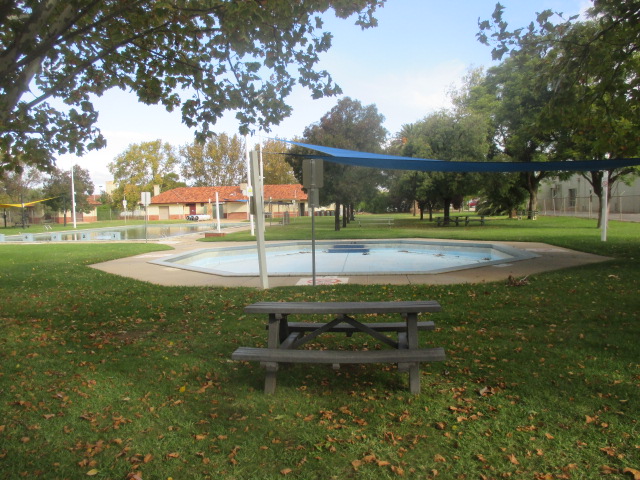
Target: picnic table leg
273, 341
412, 338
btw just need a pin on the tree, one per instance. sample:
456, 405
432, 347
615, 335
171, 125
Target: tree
502, 193
203, 57
590, 72
58, 186
453, 137
218, 162
352, 126
276, 169
20, 187
140, 167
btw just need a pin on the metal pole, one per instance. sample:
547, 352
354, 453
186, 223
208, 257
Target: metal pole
218, 212
258, 199
605, 205
313, 221
73, 200
249, 187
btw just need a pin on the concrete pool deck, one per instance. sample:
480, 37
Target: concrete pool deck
548, 258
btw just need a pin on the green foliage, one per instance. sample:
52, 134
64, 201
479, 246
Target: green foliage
277, 171
452, 137
58, 186
200, 57
220, 161
501, 194
140, 167
568, 88
348, 125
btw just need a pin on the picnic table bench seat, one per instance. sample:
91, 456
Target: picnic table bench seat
280, 355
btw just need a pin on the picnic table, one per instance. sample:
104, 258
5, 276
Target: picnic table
373, 220
459, 219
284, 337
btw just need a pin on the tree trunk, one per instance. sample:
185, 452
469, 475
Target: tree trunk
336, 219
447, 209
345, 215
421, 213
533, 202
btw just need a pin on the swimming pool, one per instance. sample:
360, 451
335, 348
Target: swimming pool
351, 258
133, 232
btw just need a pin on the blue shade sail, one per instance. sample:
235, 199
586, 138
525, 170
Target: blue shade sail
392, 162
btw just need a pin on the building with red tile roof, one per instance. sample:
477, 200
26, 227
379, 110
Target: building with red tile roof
233, 202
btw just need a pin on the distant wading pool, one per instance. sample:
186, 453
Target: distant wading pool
371, 257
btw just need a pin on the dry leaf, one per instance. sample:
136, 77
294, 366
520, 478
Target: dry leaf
607, 470
92, 472
632, 471
397, 470
512, 458
439, 458
286, 471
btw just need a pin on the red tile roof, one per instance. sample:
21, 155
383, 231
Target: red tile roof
226, 194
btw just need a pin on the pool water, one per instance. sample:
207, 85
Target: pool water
134, 232
352, 258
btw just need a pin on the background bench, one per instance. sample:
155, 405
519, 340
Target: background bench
374, 221
459, 219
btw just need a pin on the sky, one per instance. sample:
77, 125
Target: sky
405, 66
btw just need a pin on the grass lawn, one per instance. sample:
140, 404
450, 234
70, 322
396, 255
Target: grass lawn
108, 377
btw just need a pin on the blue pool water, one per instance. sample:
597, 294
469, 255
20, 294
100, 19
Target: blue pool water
347, 258
134, 232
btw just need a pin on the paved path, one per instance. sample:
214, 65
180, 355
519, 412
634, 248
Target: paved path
138, 267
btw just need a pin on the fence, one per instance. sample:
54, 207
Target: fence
588, 206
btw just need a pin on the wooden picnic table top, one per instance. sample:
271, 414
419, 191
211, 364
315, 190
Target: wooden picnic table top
287, 308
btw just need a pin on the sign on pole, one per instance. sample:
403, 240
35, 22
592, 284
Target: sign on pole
313, 173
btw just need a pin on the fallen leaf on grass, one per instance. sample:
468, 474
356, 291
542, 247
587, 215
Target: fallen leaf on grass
92, 472
632, 471
607, 470
286, 471
512, 458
